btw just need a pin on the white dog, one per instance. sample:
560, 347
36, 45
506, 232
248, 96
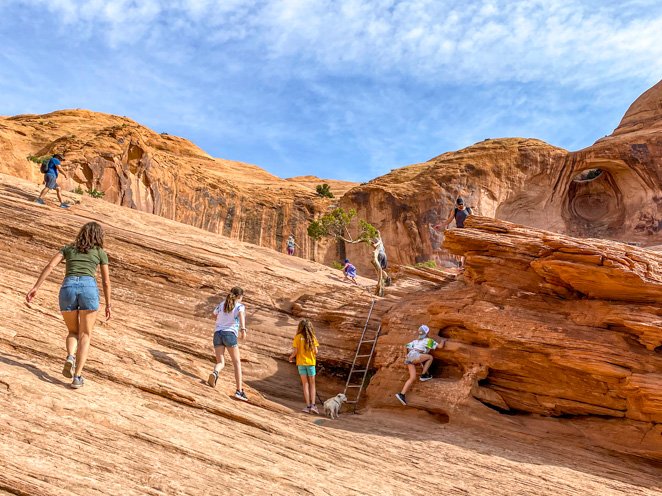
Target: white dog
332, 405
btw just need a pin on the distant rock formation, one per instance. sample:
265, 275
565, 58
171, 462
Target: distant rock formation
528, 182
165, 175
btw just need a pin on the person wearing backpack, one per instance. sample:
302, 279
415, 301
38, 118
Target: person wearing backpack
50, 170
460, 214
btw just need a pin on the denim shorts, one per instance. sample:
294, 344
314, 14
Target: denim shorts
307, 370
79, 293
225, 338
50, 181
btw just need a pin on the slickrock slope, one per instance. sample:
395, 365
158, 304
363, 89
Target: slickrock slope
165, 175
146, 422
540, 324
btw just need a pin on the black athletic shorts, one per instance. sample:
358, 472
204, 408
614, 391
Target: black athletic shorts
382, 260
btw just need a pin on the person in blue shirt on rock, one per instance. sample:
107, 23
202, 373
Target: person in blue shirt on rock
50, 179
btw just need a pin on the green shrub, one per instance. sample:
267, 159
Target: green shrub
324, 191
42, 122
430, 263
38, 160
337, 265
78, 190
73, 135
94, 193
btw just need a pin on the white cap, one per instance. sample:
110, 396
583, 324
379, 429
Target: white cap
423, 330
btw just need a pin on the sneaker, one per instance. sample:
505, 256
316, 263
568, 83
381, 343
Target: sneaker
69, 366
240, 395
40, 201
313, 409
401, 398
213, 377
388, 281
306, 410
64, 205
78, 382
426, 377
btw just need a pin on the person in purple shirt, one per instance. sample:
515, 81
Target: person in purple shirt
50, 180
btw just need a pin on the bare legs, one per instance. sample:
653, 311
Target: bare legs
236, 362
309, 391
220, 359
57, 192
426, 360
80, 324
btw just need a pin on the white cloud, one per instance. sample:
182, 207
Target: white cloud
567, 41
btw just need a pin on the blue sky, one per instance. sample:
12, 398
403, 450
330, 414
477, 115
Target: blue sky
339, 89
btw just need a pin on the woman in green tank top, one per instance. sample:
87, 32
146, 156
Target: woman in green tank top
79, 295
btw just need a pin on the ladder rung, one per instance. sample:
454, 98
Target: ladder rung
354, 385
350, 401
369, 341
357, 371
361, 356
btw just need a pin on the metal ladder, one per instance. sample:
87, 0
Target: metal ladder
361, 370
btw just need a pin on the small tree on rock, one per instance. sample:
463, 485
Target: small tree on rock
337, 225
324, 191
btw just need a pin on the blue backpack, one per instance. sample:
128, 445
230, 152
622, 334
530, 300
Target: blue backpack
45, 165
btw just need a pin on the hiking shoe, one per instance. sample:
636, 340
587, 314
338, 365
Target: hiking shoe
40, 201
64, 205
213, 377
306, 410
388, 281
240, 395
78, 382
313, 409
401, 398
69, 366
426, 377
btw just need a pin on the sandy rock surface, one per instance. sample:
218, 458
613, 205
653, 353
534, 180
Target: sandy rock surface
146, 422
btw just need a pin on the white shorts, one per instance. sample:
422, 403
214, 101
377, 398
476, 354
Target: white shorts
412, 356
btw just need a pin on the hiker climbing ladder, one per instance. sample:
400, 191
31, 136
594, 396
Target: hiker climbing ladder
362, 359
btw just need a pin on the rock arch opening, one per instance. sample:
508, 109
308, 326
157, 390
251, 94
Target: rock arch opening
594, 203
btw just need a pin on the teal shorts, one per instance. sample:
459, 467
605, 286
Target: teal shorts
307, 370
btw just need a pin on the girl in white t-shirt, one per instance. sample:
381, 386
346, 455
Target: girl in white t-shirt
418, 353
230, 321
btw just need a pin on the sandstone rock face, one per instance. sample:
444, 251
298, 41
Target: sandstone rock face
528, 182
540, 323
622, 203
164, 175
147, 423
406, 204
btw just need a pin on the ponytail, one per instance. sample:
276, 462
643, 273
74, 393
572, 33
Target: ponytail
231, 299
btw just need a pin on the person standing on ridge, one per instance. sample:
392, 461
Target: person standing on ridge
378, 246
79, 295
460, 214
230, 321
50, 170
290, 245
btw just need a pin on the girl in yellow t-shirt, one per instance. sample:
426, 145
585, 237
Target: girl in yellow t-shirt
305, 350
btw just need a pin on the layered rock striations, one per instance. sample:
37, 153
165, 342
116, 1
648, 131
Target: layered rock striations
543, 324
164, 175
